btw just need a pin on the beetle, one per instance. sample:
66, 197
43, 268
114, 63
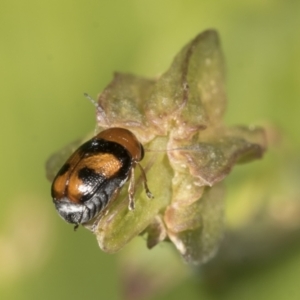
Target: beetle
95, 173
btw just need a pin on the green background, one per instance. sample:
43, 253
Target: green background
53, 51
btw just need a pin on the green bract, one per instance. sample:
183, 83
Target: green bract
178, 119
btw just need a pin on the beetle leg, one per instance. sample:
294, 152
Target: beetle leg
131, 190
148, 193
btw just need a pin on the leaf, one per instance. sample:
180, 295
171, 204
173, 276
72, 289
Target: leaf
190, 96
123, 102
212, 154
197, 229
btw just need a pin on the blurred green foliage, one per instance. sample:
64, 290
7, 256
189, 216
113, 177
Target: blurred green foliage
52, 52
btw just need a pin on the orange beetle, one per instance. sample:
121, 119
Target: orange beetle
95, 173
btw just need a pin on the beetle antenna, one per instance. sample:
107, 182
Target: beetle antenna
94, 102
170, 150
101, 115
